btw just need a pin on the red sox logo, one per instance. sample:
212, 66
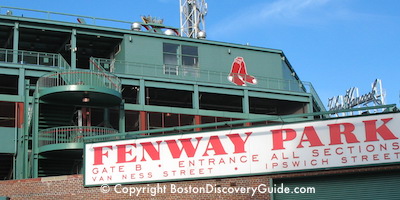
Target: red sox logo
238, 74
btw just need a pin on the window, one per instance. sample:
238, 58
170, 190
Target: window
7, 114
171, 59
190, 61
180, 60
169, 97
8, 84
131, 120
166, 120
212, 119
32, 81
130, 93
275, 106
221, 102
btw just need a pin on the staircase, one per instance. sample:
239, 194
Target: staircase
63, 162
111, 80
51, 116
60, 165
58, 150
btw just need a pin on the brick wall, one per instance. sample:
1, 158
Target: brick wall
71, 187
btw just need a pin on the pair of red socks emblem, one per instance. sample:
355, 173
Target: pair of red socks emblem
238, 74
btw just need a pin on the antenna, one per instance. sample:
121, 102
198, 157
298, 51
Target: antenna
193, 13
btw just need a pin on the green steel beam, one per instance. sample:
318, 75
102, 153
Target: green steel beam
73, 49
221, 90
60, 146
151, 108
35, 139
46, 28
12, 68
128, 81
245, 102
228, 114
142, 92
21, 163
21, 82
7, 24
196, 97
310, 106
169, 85
106, 117
36, 73
5, 69
122, 117
304, 97
15, 42
26, 138
11, 98
96, 33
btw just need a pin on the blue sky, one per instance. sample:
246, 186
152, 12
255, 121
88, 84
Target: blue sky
334, 44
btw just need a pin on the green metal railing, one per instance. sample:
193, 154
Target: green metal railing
207, 76
310, 89
57, 16
105, 64
278, 119
33, 58
94, 66
73, 134
79, 77
194, 74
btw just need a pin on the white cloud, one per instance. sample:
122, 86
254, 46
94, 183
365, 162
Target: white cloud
289, 8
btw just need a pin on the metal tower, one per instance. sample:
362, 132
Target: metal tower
192, 14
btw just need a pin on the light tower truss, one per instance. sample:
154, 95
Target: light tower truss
192, 13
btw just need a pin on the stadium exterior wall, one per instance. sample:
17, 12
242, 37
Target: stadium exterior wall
71, 187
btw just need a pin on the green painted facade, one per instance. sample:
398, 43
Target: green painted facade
8, 134
63, 81
263, 62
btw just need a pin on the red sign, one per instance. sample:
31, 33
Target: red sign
238, 74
